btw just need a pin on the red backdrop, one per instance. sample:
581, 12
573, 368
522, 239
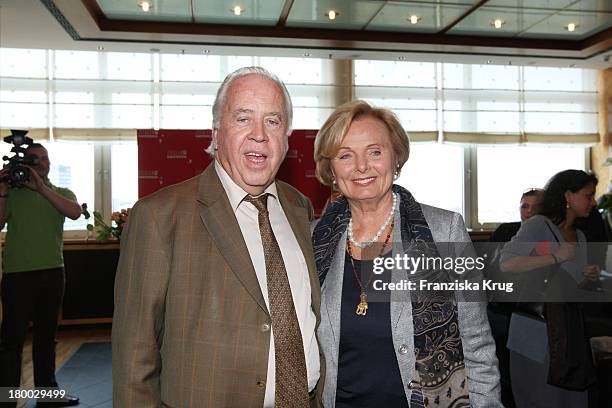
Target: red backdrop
168, 156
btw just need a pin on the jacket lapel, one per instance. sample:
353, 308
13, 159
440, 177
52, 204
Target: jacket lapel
220, 221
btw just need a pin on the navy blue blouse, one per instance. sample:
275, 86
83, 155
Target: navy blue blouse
368, 373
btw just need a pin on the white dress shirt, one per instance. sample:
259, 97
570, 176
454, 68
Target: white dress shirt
295, 265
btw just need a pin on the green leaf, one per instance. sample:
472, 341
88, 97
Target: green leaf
103, 235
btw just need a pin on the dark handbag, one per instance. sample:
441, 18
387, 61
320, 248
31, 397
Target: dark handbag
535, 289
571, 361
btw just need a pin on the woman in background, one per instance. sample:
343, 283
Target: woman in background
391, 348
542, 349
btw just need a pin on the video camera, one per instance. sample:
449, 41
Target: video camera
18, 172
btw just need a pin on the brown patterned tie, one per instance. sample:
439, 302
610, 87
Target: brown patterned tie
291, 379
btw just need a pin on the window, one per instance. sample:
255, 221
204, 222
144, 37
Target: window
407, 88
434, 175
124, 161
504, 173
477, 106
72, 167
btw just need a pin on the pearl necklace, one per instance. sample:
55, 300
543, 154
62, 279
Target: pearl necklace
382, 228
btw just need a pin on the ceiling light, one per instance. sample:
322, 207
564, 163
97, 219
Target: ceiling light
498, 23
237, 10
100, 48
414, 19
571, 27
332, 14
145, 6
306, 54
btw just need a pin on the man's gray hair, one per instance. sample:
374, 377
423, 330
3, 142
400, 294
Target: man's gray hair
221, 97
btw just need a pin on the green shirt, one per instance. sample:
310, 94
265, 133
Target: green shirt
34, 238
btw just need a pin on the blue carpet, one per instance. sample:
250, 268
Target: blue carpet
87, 375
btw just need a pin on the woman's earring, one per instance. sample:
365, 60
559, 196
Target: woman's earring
567, 206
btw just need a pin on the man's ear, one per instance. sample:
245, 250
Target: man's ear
215, 133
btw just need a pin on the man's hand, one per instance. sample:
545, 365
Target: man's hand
68, 207
35, 182
4, 190
4, 186
591, 272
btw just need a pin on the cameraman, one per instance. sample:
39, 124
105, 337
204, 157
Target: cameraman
33, 280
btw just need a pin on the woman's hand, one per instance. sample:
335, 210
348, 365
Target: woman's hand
591, 272
565, 252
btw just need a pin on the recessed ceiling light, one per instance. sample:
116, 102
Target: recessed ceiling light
571, 27
332, 14
414, 19
498, 23
146, 6
237, 10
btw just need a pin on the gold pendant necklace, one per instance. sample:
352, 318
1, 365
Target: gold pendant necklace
362, 307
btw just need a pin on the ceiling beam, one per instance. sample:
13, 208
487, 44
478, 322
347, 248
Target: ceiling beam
382, 6
461, 17
340, 39
598, 43
95, 11
334, 35
282, 19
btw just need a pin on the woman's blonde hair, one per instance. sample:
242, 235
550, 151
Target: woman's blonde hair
333, 131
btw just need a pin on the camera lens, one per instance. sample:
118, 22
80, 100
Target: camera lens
19, 174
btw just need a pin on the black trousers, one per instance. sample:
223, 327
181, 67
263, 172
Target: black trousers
34, 296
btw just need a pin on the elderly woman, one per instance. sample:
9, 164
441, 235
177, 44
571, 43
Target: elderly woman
391, 348
550, 355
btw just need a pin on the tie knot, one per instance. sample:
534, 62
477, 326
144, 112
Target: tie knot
261, 202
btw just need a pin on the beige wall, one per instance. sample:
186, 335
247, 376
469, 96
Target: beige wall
603, 150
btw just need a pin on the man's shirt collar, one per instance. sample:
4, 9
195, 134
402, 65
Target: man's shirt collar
235, 193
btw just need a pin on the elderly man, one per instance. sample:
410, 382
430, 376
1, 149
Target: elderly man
217, 296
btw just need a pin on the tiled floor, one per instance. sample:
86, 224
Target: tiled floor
87, 374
